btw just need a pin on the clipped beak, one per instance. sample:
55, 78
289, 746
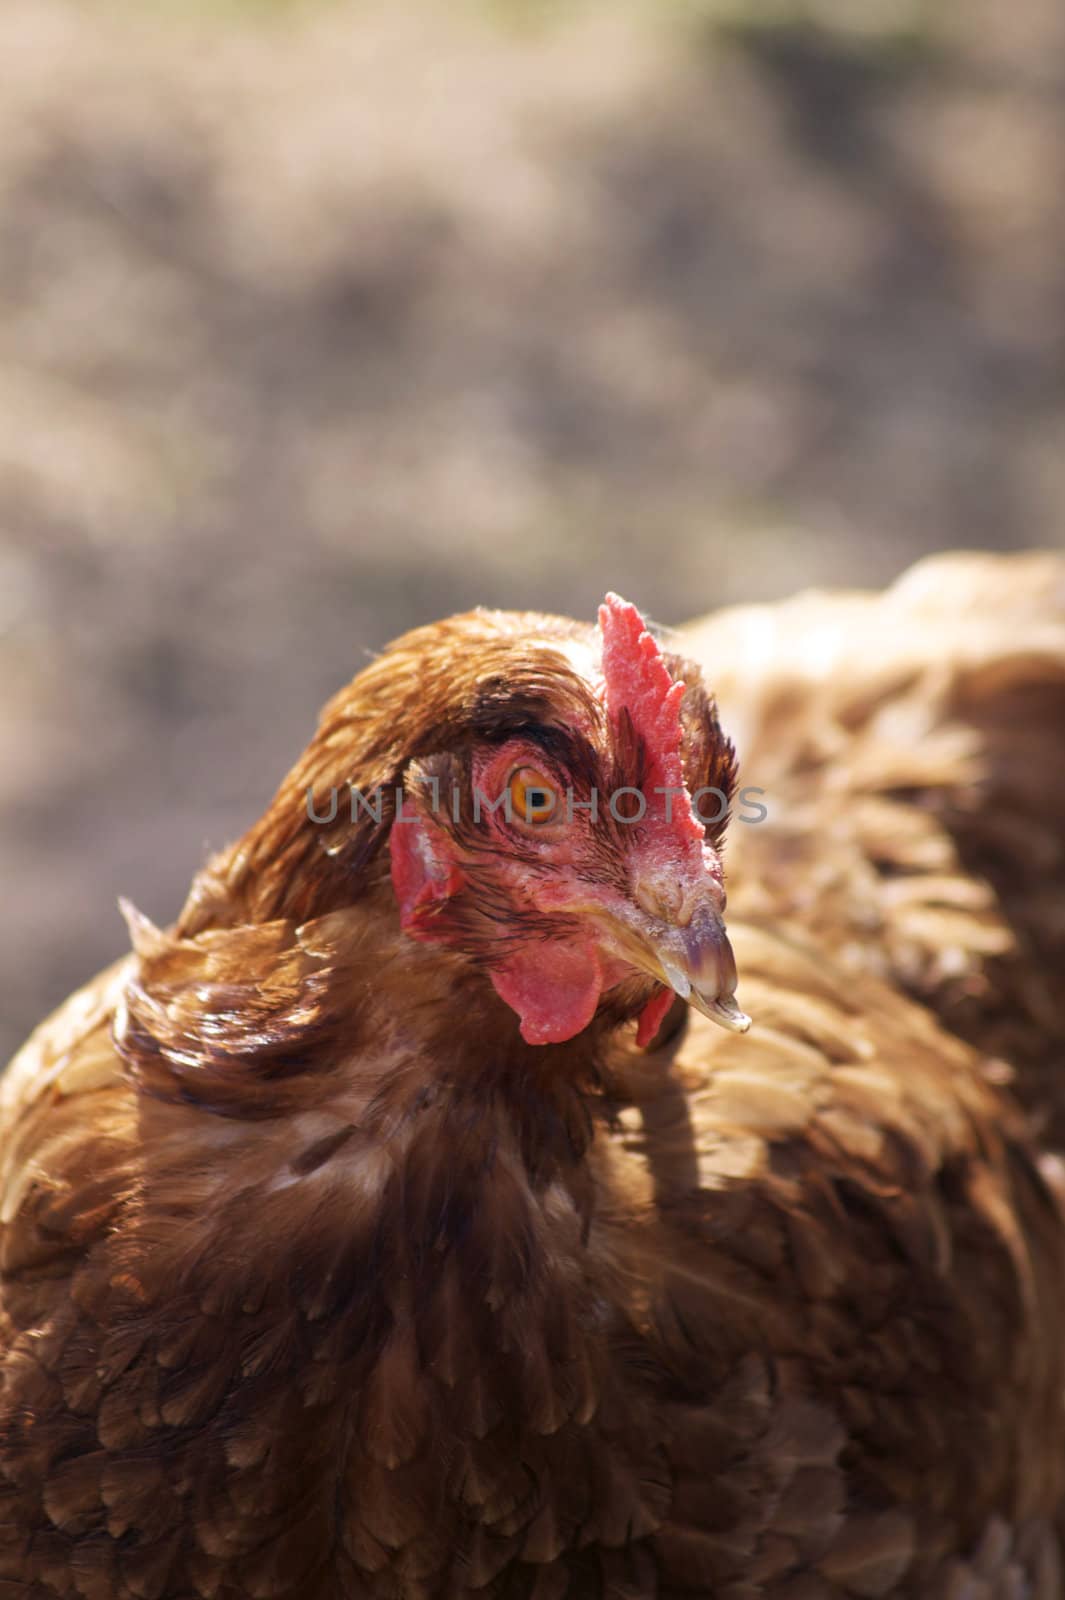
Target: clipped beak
695, 960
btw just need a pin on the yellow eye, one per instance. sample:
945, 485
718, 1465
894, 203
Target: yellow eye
533, 797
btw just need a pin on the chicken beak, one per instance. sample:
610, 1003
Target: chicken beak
707, 979
695, 959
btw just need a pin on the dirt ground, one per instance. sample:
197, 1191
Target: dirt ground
320, 320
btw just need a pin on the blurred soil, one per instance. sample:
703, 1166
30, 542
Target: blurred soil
319, 321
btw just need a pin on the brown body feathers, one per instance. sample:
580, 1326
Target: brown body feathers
318, 1281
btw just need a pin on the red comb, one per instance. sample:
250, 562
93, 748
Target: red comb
638, 681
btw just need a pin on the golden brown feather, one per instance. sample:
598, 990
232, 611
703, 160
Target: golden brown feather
317, 1280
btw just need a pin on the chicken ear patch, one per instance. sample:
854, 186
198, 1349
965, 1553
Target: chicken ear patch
424, 875
554, 987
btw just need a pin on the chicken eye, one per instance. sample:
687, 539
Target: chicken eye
533, 797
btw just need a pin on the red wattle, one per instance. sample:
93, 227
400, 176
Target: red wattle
653, 1014
553, 987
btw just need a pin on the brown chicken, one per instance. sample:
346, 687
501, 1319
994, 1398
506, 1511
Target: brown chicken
391, 1227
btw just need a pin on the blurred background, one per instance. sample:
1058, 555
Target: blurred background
321, 319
